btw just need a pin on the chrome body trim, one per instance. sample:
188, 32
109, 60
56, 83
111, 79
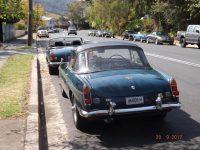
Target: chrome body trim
97, 113
54, 63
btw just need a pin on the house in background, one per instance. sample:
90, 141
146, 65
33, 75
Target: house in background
49, 22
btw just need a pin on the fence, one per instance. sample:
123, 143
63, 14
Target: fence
9, 32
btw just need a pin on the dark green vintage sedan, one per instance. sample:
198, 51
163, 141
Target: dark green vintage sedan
114, 79
60, 48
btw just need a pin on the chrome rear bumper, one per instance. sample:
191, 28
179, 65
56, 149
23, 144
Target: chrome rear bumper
99, 113
54, 64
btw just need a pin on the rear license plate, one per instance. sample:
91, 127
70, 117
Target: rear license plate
134, 100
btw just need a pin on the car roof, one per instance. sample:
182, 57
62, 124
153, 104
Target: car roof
62, 41
71, 27
105, 44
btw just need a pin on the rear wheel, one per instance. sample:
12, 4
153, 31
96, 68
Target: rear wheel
79, 121
183, 42
51, 70
198, 45
63, 93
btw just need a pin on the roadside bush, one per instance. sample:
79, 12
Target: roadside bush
20, 27
173, 34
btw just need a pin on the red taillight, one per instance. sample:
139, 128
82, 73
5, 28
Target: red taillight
86, 95
174, 88
51, 56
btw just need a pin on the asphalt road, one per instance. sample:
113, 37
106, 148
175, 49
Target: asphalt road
179, 130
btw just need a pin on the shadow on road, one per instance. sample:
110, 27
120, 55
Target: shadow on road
178, 129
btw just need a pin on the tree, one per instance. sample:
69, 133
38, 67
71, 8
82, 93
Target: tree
38, 11
76, 12
166, 15
10, 12
193, 10
113, 15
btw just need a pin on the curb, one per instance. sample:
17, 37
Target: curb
32, 131
57, 132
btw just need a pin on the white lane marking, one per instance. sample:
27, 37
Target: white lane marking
173, 59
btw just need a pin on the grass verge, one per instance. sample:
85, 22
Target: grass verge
14, 85
24, 47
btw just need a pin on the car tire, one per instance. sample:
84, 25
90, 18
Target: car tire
51, 71
198, 46
79, 121
156, 42
183, 42
64, 94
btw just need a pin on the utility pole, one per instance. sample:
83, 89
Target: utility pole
37, 3
30, 34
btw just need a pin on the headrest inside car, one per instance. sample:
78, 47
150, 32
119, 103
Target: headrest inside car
59, 44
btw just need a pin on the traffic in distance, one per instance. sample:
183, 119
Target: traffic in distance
190, 36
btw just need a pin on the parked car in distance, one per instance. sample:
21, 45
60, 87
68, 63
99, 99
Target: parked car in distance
92, 32
114, 79
108, 34
126, 34
53, 30
159, 38
42, 33
59, 49
191, 36
41, 28
99, 33
72, 30
142, 37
